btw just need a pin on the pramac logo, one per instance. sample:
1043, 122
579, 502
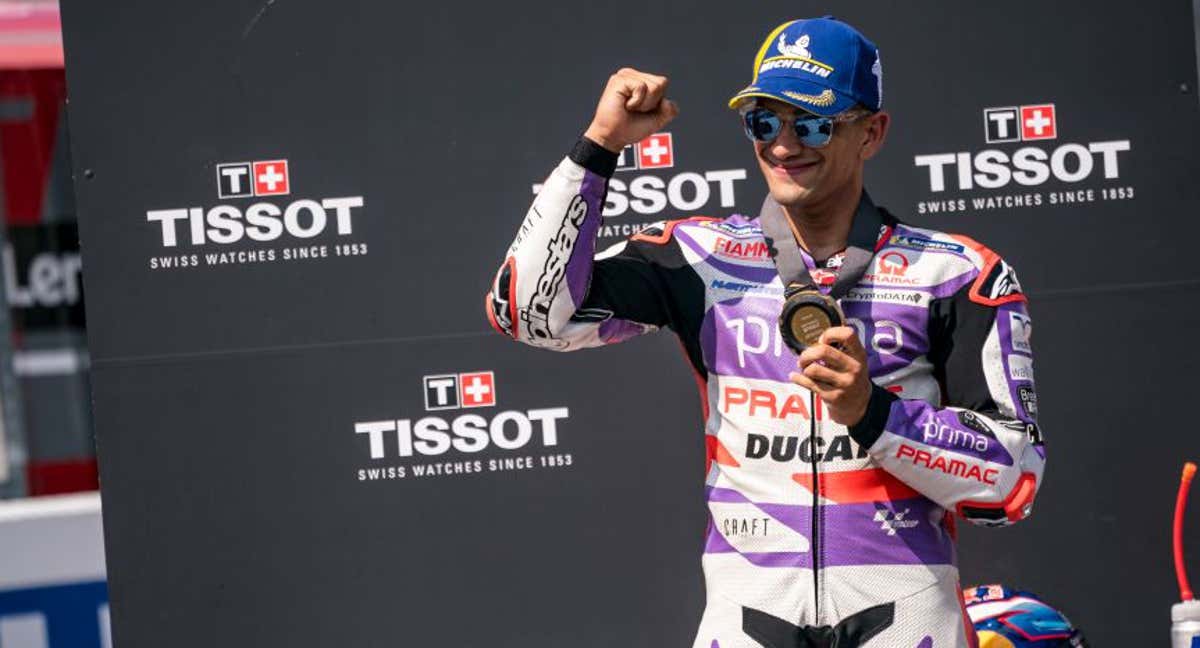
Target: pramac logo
894, 264
891, 267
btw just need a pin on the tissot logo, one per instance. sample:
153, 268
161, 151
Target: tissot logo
451, 391
683, 194
260, 221
245, 179
1024, 155
233, 180
463, 443
271, 178
1037, 122
1019, 123
228, 233
1000, 124
441, 392
655, 152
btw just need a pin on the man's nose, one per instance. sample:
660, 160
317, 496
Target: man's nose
787, 143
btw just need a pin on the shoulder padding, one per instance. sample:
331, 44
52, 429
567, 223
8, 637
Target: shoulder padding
997, 281
660, 233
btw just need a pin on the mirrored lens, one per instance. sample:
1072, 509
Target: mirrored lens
814, 131
762, 125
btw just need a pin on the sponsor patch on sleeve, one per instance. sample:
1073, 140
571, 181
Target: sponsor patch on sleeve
1020, 330
997, 285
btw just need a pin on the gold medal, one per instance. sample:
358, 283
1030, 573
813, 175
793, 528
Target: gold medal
806, 315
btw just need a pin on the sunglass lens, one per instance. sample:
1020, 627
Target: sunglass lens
814, 131
762, 125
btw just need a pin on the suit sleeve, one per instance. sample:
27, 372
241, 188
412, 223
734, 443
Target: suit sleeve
982, 453
554, 291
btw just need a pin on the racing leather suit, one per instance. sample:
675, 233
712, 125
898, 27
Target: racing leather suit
819, 534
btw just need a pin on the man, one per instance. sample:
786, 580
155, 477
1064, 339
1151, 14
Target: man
833, 476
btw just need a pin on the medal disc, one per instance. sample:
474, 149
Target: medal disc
806, 315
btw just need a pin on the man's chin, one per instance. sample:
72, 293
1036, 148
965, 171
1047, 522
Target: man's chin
791, 196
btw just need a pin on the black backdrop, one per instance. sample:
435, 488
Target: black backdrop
240, 507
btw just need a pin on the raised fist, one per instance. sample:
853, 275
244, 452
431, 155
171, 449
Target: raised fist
631, 108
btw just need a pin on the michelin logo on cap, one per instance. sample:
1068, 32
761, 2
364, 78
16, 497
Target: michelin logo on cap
796, 56
821, 65
799, 48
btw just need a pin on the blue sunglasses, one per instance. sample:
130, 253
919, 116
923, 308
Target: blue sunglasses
813, 131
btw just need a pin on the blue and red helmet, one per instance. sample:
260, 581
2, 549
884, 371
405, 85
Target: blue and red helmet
1007, 618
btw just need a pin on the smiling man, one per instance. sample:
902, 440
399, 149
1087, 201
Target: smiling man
834, 475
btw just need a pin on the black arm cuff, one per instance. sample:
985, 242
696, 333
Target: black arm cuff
866, 432
594, 158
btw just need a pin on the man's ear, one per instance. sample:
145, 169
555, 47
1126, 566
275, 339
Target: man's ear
874, 133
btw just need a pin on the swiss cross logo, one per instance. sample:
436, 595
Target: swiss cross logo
271, 178
248, 179
1038, 122
454, 391
1020, 123
478, 389
656, 152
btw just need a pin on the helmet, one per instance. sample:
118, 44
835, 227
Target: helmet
1007, 618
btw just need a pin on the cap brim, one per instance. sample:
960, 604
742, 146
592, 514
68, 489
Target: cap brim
806, 95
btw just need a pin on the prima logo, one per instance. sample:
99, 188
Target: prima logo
261, 221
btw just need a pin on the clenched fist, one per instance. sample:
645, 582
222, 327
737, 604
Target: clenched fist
631, 108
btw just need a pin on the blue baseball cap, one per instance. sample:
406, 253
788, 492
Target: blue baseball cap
821, 65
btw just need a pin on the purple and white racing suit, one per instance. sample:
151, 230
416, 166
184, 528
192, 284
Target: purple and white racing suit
818, 534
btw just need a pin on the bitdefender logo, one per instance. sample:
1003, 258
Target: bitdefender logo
654, 193
441, 443
1024, 166
258, 207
